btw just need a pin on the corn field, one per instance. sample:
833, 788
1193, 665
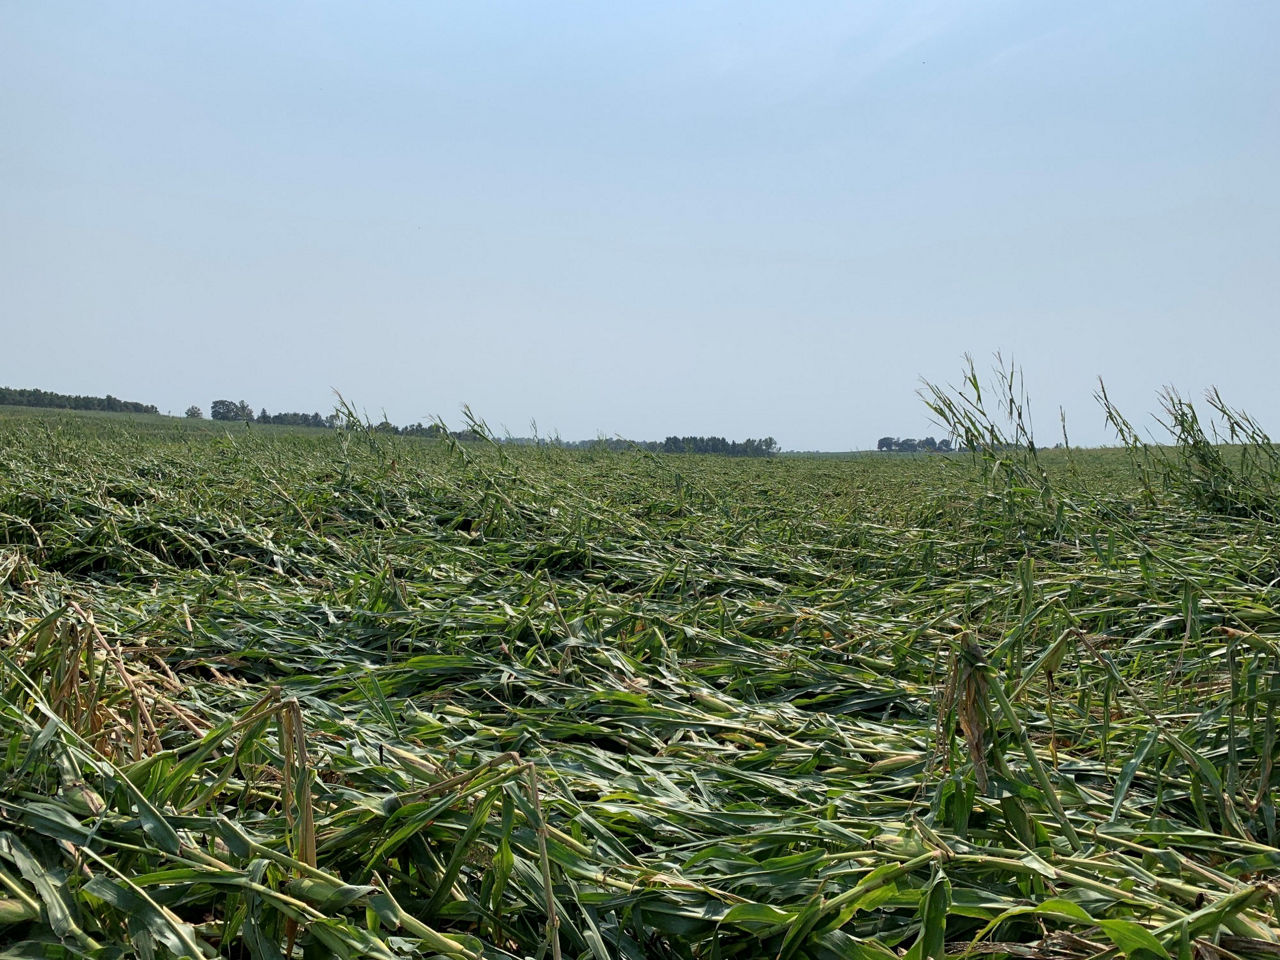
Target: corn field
273, 694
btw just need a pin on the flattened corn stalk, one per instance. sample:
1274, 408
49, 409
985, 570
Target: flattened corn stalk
276, 692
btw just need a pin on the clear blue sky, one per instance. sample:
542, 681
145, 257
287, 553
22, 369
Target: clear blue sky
735, 218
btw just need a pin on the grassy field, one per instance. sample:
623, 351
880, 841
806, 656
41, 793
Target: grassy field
269, 693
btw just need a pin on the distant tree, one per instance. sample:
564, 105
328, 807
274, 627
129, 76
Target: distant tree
887, 443
263, 416
944, 445
229, 410
194, 413
929, 443
908, 445
223, 410
430, 431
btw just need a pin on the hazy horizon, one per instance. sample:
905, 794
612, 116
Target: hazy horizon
702, 219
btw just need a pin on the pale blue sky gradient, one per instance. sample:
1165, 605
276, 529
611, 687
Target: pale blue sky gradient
723, 218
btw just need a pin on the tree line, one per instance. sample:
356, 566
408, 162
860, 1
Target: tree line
712, 445
911, 445
719, 445
61, 401
241, 411
230, 410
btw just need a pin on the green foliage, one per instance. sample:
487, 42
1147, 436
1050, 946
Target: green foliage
353, 694
61, 401
230, 410
719, 445
1233, 469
